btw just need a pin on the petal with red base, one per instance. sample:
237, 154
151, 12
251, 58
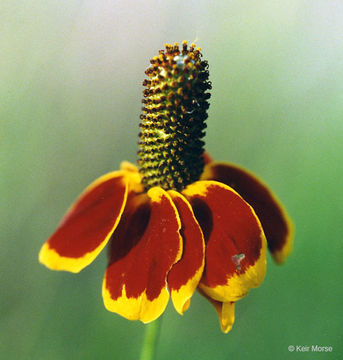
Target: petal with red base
225, 312
144, 247
87, 225
276, 223
235, 243
185, 275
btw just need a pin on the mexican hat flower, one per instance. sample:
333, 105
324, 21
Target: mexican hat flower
179, 221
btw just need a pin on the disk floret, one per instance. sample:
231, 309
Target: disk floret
173, 118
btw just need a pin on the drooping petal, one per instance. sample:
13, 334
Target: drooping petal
88, 224
235, 243
184, 276
276, 223
225, 312
144, 247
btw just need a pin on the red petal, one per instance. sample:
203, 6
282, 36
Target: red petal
145, 246
87, 225
184, 277
235, 243
275, 221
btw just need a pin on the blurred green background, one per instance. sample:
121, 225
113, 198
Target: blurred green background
70, 92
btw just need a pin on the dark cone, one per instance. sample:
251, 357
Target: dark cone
173, 118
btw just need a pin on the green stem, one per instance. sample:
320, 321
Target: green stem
150, 340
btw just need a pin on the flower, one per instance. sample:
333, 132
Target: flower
180, 221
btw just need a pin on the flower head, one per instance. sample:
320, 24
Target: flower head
180, 221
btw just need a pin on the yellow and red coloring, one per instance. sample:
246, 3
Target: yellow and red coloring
180, 221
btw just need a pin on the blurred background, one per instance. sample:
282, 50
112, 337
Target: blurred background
70, 99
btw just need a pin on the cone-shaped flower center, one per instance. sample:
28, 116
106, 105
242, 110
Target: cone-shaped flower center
173, 119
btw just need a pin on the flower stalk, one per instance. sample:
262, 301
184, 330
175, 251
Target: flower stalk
150, 340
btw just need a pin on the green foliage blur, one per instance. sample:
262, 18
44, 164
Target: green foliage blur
70, 99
